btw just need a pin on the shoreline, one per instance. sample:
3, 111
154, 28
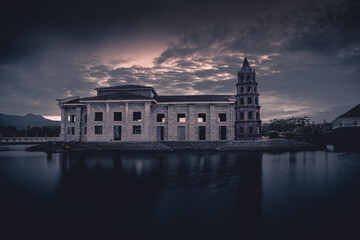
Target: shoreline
265, 145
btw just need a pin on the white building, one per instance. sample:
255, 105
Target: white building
138, 113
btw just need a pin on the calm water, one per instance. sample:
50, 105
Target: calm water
302, 195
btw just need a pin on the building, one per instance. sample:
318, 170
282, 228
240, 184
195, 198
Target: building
138, 113
346, 130
348, 120
247, 108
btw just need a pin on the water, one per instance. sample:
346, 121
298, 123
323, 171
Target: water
301, 195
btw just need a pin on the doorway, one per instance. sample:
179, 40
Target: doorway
117, 133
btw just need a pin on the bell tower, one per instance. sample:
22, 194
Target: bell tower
247, 108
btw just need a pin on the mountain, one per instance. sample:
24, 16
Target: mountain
21, 122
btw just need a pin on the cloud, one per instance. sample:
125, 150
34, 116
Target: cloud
306, 54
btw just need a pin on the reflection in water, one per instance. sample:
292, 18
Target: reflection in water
299, 195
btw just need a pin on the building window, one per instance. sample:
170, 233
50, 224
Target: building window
71, 118
241, 130
249, 100
242, 78
201, 117
241, 101
181, 117
202, 132
250, 116
98, 116
68, 130
254, 89
160, 117
251, 129
117, 116
222, 117
248, 78
85, 130
137, 116
249, 89
241, 89
241, 115
256, 101
98, 129
72, 130
257, 115
85, 118
136, 129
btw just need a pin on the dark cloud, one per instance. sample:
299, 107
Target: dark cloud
306, 53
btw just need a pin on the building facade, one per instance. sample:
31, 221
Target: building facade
248, 123
138, 113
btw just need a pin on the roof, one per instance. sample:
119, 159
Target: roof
354, 112
246, 66
124, 87
194, 98
117, 96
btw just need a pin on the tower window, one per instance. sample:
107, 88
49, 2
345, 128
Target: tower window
257, 115
241, 101
254, 89
241, 130
98, 116
242, 78
250, 115
249, 100
248, 78
256, 100
241, 115
241, 89
201, 117
251, 129
249, 89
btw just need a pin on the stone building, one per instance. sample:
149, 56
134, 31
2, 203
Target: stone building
247, 108
138, 113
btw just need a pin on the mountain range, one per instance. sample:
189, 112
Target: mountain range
22, 122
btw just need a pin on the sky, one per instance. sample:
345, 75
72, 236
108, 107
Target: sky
306, 53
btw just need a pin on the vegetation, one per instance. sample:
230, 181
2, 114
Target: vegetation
47, 131
295, 127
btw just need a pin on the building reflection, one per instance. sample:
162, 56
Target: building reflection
138, 196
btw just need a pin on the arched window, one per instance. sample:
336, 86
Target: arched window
256, 101
241, 89
257, 115
242, 78
241, 115
249, 100
248, 78
250, 115
241, 101
249, 89
251, 129
254, 89
241, 130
